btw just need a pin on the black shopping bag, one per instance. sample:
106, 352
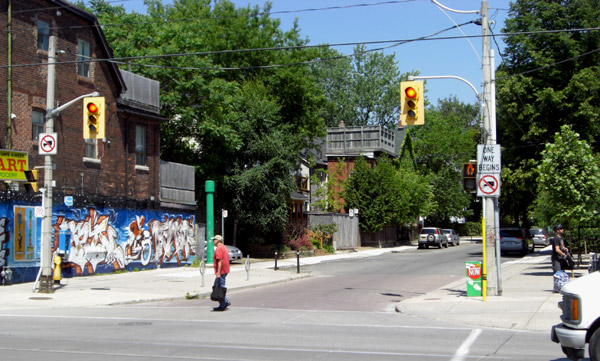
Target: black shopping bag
218, 293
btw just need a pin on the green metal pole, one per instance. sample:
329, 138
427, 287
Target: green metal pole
209, 187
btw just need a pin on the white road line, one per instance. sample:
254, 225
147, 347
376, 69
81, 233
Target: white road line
463, 350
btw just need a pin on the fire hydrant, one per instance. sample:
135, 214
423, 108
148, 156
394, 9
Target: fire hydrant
57, 268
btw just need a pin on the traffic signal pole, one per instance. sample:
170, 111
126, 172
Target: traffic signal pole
46, 281
488, 112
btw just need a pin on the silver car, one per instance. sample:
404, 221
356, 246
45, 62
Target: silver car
513, 239
234, 253
540, 237
452, 236
432, 236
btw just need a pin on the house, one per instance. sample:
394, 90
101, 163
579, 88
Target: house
110, 208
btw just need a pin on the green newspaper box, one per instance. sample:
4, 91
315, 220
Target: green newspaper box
473, 278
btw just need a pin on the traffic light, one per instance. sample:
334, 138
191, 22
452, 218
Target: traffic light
412, 102
470, 177
32, 181
93, 117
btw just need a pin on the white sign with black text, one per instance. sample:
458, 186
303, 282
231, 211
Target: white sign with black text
489, 167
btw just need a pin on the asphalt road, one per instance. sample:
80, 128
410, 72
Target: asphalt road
341, 314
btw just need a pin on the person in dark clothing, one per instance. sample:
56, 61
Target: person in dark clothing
558, 248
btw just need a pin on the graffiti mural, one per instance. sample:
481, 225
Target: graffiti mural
96, 240
4, 238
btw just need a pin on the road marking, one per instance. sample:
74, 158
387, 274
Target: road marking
463, 350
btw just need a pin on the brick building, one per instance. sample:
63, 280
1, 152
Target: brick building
114, 217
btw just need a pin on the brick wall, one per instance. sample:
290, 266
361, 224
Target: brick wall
113, 173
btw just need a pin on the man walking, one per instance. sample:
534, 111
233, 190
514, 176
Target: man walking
221, 264
558, 248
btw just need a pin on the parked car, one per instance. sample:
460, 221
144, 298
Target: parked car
234, 253
452, 236
540, 237
432, 236
515, 239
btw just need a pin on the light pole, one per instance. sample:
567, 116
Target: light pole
46, 281
488, 109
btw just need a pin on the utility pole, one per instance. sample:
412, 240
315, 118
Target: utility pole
491, 212
46, 281
490, 204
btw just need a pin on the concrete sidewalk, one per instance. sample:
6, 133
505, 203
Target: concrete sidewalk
527, 301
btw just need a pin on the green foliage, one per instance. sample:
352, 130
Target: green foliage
360, 90
322, 235
546, 80
242, 128
385, 194
569, 182
446, 141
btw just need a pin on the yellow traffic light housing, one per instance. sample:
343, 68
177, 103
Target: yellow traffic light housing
32, 181
412, 102
94, 114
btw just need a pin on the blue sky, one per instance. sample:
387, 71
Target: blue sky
383, 20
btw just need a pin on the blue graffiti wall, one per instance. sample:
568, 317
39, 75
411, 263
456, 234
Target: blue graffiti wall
95, 241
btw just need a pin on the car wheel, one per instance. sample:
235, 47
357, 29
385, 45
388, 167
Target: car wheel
427, 246
594, 348
419, 246
446, 245
430, 238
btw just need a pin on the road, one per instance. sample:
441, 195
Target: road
341, 314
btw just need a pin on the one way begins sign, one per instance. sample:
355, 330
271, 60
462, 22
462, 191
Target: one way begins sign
489, 167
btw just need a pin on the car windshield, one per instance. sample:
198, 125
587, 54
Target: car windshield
511, 233
429, 231
447, 231
536, 231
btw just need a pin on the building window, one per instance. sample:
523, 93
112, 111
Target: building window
37, 124
84, 55
91, 148
140, 144
43, 35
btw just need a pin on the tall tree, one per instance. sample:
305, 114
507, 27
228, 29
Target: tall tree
385, 194
235, 129
446, 141
546, 80
361, 90
569, 182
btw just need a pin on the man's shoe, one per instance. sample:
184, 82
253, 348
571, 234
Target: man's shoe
219, 309
228, 304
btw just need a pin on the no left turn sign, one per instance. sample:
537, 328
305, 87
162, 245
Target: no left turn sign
489, 186
47, 145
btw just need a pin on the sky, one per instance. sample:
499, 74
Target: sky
356, 21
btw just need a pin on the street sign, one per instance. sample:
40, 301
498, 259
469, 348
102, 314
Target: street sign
47, 145
488, 159
488, 186
489, 167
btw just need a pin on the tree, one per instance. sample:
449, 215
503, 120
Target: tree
442, 145
385, 194
546, 80
242, 128
569, 182
360, 90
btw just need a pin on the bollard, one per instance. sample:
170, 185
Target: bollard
247, 266
202, 270
276, 261
298, 261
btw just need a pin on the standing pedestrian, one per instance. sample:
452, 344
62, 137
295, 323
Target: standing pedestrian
558, 248
221, 264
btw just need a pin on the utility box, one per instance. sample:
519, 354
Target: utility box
473, 279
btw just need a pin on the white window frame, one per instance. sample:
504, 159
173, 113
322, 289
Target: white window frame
84, 55
43, 35
37, 123
140, 144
